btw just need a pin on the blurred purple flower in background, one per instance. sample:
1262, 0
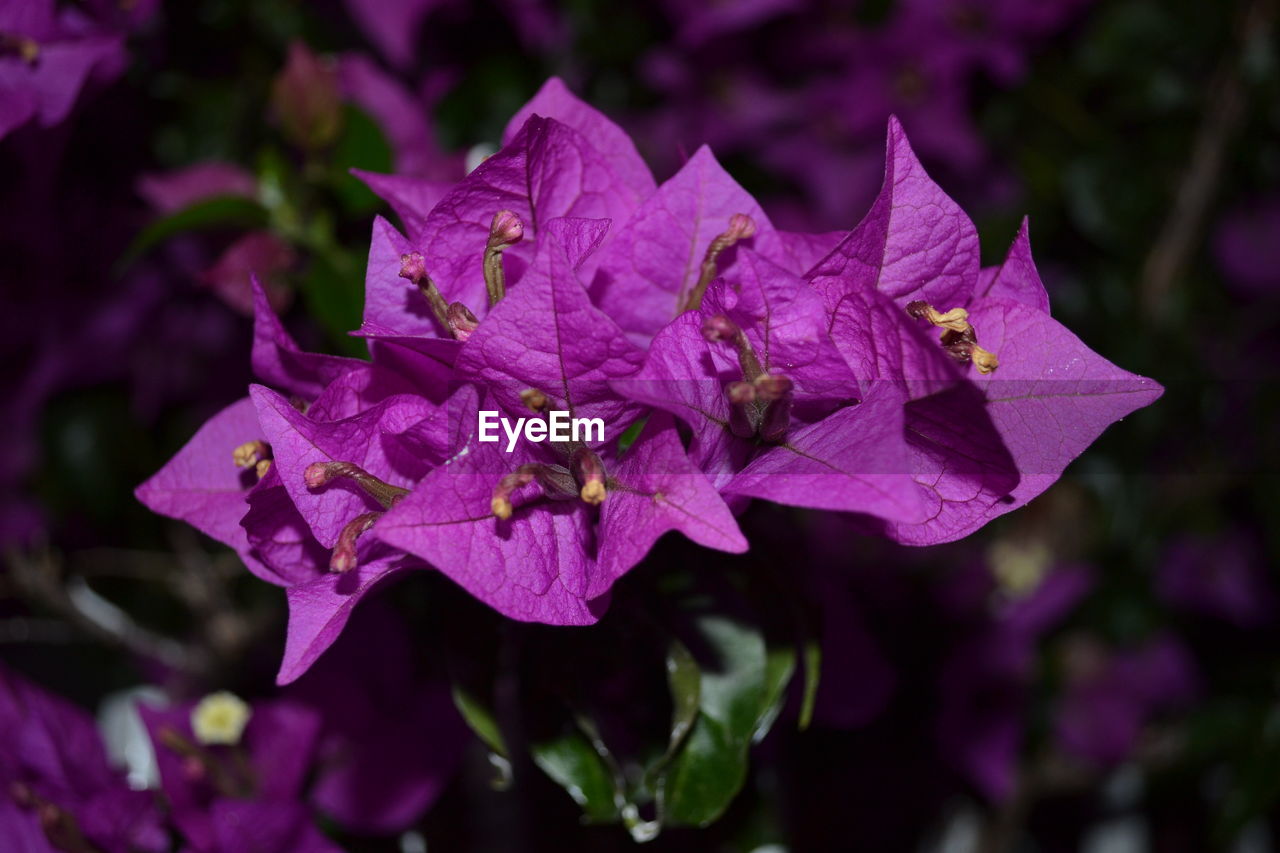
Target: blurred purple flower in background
59, 791
1223, 577
1111, 695
1246, 248
48, 56
804, 88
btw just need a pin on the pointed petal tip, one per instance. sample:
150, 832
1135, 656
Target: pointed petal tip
556, 84
142, 493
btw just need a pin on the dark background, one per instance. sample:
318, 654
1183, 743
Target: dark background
1141, 137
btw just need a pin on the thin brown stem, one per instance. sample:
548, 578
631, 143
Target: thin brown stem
1179, 236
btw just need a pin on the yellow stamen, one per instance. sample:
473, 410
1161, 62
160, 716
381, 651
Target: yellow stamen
249, 454
501, 508
985, 361
957, 319
593, 492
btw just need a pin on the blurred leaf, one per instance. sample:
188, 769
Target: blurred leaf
334, 291
577, 767
230, 212
737, 691
705, 777
685, 681
1250, 735
734, 681
361, 146
480, 719
779, 667
812, 678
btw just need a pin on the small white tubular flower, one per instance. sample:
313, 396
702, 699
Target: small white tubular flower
220, 718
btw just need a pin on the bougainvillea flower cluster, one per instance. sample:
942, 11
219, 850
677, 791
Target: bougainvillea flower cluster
880, 372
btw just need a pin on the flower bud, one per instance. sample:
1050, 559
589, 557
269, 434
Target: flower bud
306, 100
719, 328
343, 559
740, 393
505, 230
501, 502
461, 321
413, 267
588, 470
317, 474
772, 386
741, 227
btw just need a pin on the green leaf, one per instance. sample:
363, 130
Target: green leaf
573, 763
231, 212
733, 684
738, 687
685, 680
705, 777
361, 146
780, 665
480, 719
629, 437
812, 677
334, 292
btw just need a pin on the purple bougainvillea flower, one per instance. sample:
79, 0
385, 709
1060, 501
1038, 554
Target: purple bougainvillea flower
1112, 696
203, 485
392, 25
558, 277
1245, 248
258, 254
648, 272
228, 480
234, 775
46, 58
389, 746
1007, 398
339, 476
992, 36
402, 117
699, 22
717, 367
986, 678
555, 101
549, 170
59, 792
1223, 577
169, 192
547, 557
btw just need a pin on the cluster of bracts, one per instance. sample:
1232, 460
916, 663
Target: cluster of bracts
880, 372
